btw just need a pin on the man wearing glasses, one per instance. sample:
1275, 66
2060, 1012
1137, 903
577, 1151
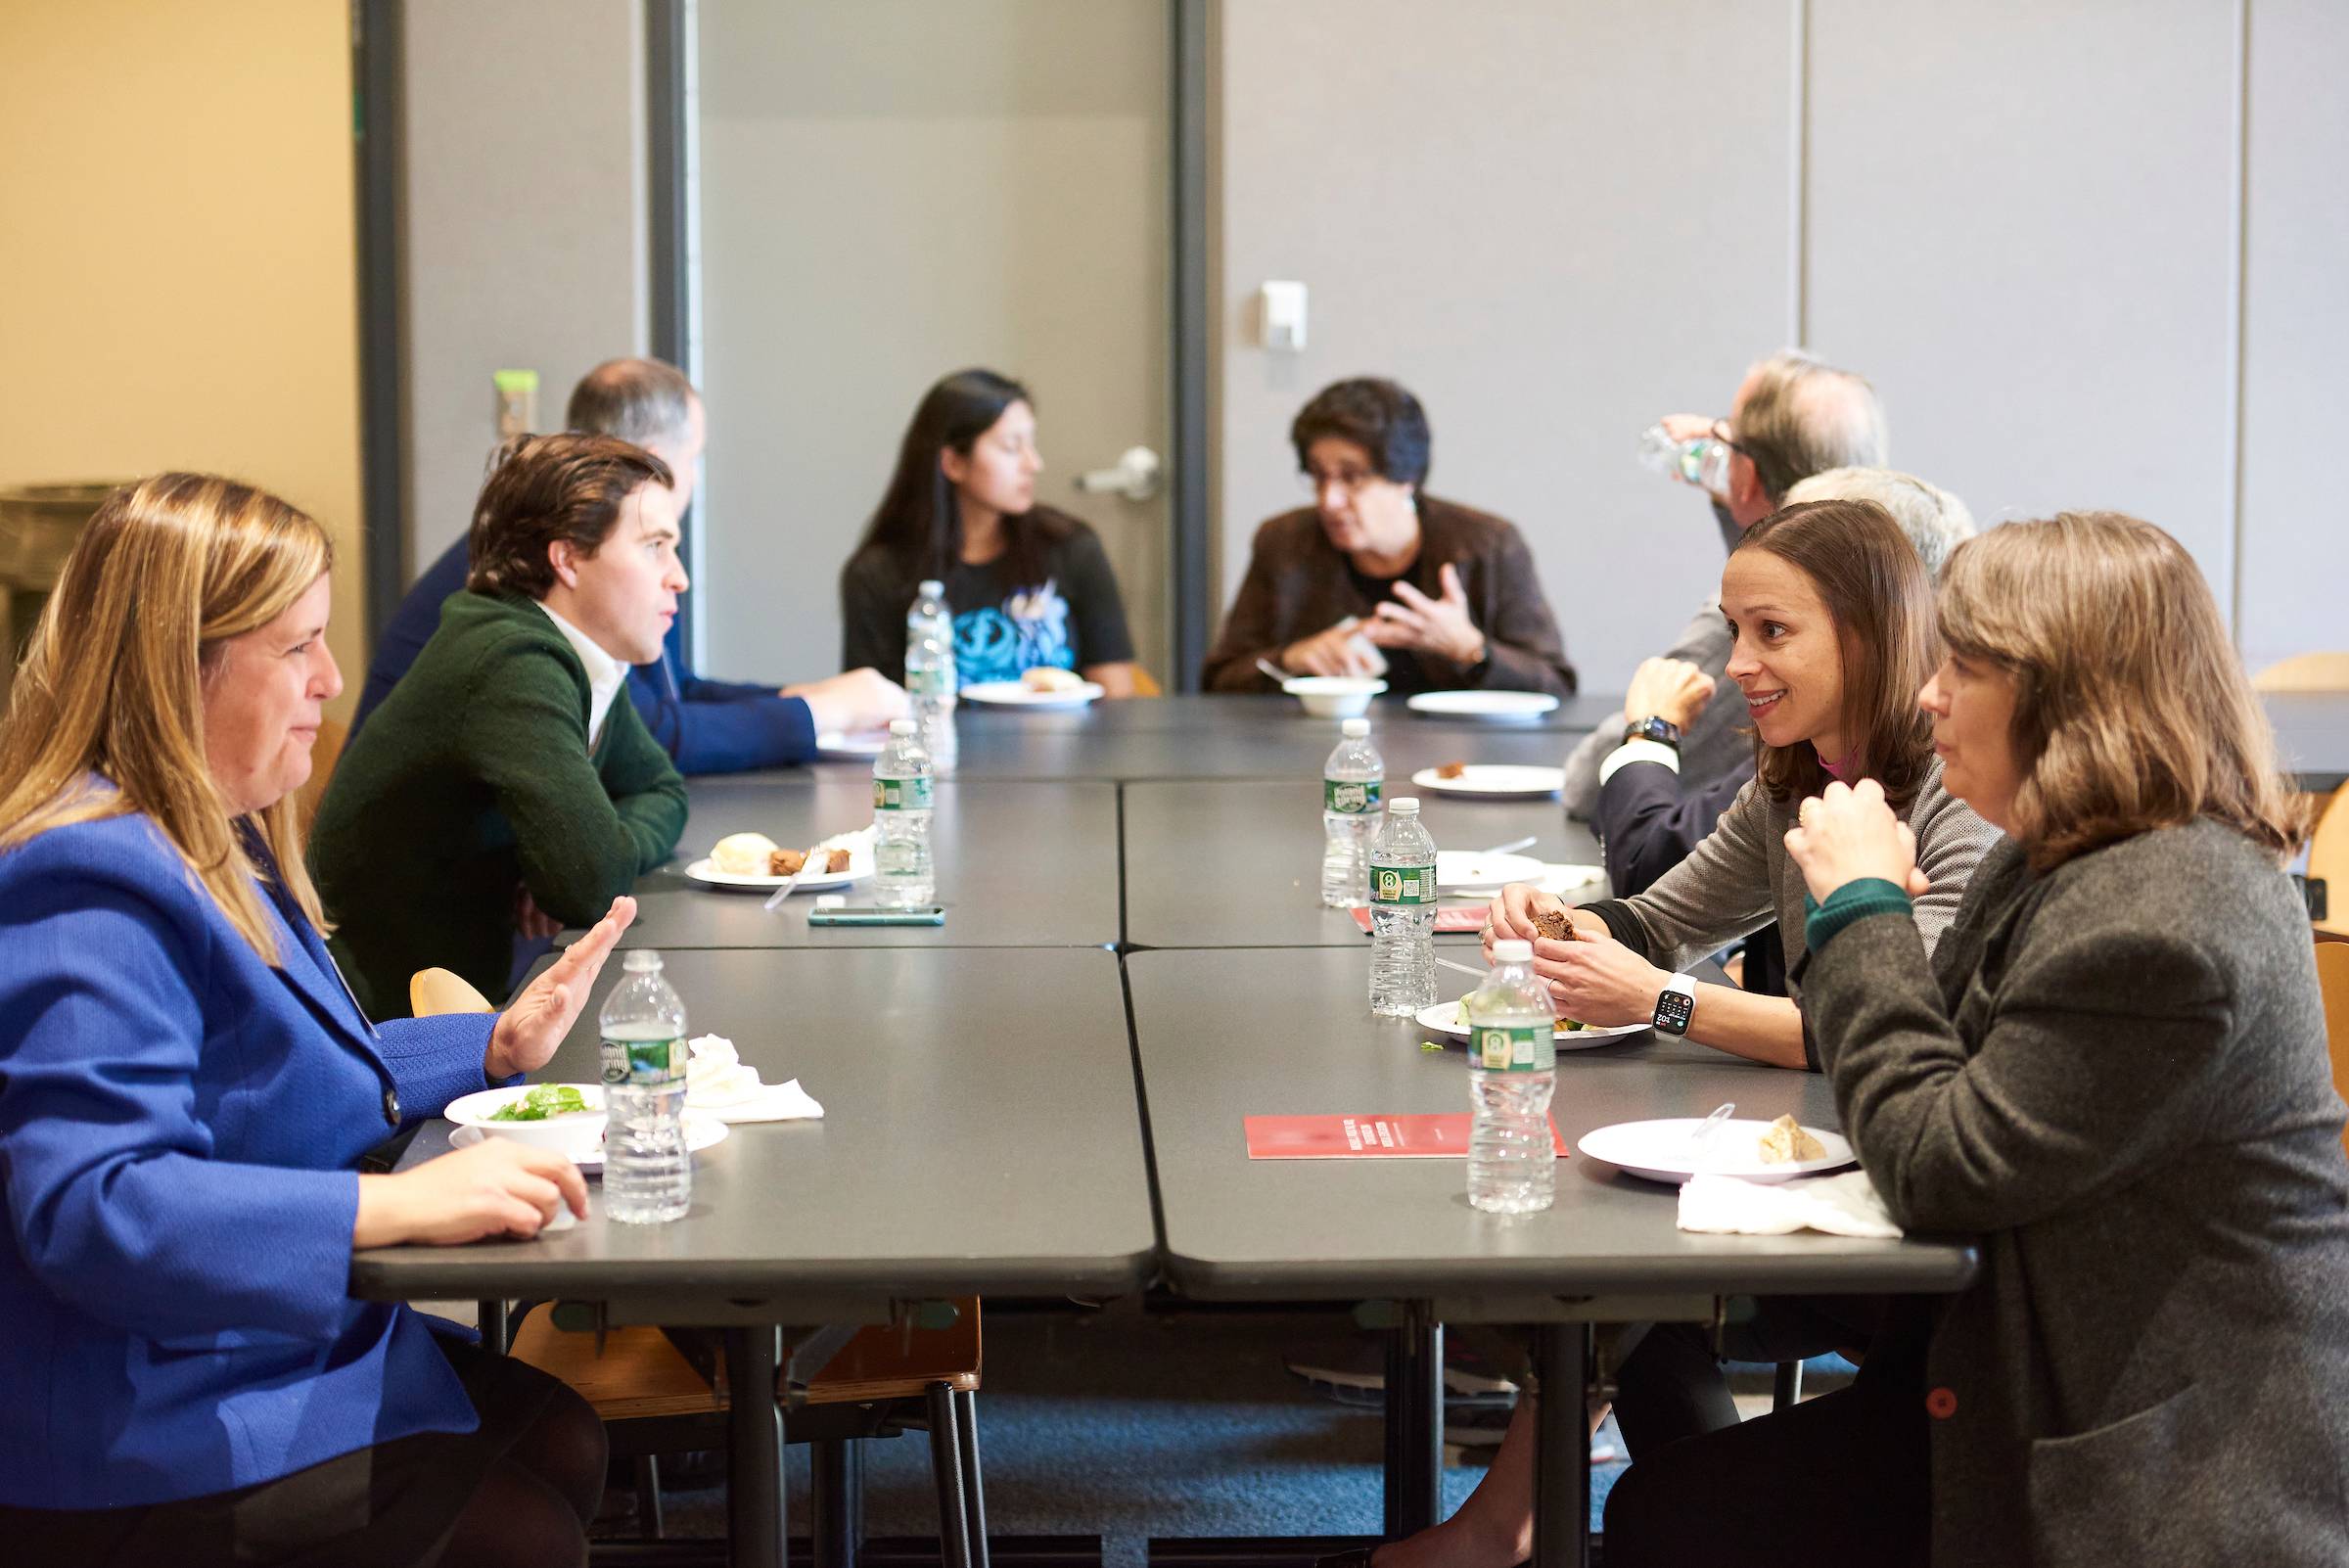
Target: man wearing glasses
1792, 417
1378, 577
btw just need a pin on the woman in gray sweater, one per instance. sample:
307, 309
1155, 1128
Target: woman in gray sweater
2113, 1070
1833, 615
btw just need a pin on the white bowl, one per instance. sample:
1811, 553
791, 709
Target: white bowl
1334, 696
579, 1136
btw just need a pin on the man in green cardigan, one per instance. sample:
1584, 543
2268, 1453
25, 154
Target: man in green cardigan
507, 787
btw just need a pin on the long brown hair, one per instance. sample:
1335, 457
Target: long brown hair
2131, 710
166, 571
1881, 602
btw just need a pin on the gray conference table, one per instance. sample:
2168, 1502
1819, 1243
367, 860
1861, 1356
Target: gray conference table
1019, 865
1238, 863
980, 1135
1287, 1031
1236, 737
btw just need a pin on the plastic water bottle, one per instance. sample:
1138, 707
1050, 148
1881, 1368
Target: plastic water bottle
648, 1173
931, 679
1402, 914
1351, 783
1512, 1068
904, 794
1703, 462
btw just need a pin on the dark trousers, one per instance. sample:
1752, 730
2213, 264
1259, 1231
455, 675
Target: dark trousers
1669, 1386
1843, 1479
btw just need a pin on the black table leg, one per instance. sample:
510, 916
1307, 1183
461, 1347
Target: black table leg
1561, 1448
755, 1449
1414, 1421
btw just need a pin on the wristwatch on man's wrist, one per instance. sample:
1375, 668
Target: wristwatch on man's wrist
1662, 731
1674, 1006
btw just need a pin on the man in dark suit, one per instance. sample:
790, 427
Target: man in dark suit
705, 725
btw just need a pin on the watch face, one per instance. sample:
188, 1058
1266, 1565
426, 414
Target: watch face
1673, 1011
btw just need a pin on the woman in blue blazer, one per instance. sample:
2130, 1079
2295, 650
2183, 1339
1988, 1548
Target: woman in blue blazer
186, 1091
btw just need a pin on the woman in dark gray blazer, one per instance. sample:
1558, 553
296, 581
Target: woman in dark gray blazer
2113, 1071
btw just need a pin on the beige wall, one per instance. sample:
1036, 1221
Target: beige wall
176, 272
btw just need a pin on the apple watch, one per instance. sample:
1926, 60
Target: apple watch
1674, 1004
1662, 731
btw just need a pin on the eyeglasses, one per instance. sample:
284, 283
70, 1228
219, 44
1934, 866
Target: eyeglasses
1721, 433
1350, 481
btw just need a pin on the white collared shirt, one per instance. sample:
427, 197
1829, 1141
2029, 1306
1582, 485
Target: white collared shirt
605, 674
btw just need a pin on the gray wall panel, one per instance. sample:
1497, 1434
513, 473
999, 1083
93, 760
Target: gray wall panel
525, 214
2022, 228
1553, 222
2296, 564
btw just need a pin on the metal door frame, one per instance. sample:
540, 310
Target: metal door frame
671, 42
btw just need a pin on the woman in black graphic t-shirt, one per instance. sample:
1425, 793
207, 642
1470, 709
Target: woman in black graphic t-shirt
1028, 587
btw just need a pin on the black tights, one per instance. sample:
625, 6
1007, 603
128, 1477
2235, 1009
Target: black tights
532, 1507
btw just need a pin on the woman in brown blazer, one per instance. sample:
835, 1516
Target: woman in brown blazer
1379, 578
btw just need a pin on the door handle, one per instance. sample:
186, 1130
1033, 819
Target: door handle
1133, 476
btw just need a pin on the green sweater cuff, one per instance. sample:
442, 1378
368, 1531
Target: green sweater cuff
1854, 900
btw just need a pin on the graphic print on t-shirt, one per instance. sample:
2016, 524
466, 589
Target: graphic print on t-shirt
1028, 629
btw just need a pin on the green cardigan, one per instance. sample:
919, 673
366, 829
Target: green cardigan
473, 780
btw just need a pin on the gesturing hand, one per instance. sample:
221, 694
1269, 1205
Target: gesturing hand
495, 1188
1850, 833
1670, 689
1441, 626
1335, 651
534, 1023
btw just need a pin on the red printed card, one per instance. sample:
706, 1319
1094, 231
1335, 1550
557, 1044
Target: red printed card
1450, 918
1346, 1137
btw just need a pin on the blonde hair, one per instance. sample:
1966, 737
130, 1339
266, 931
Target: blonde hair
166, 571
2131, 710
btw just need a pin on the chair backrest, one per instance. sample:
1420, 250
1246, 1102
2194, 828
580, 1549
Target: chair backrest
435, 992
2332, 978
2329, 860
1145, 684
2307, 671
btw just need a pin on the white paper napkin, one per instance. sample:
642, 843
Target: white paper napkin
1845, 1205
1561, 880
721, 1085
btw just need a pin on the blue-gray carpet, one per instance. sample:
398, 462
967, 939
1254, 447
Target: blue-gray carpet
1128, 1427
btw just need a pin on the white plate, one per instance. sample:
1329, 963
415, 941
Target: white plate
859, 867
568, 1133
1445, 1019
1662, 1151
858, 742
1483, 703
1488, 778
1015, 694
1467, 871
701, 1131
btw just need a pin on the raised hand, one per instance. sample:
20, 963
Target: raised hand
534, 1023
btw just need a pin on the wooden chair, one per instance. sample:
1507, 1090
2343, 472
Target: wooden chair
435, 992
2328, 861
2307, 671
1147, 684
654, 1402
2332, 976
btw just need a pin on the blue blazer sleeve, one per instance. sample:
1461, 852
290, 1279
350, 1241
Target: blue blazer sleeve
410, 627
1649, 824
710, 726
435, 1060
117, 1200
